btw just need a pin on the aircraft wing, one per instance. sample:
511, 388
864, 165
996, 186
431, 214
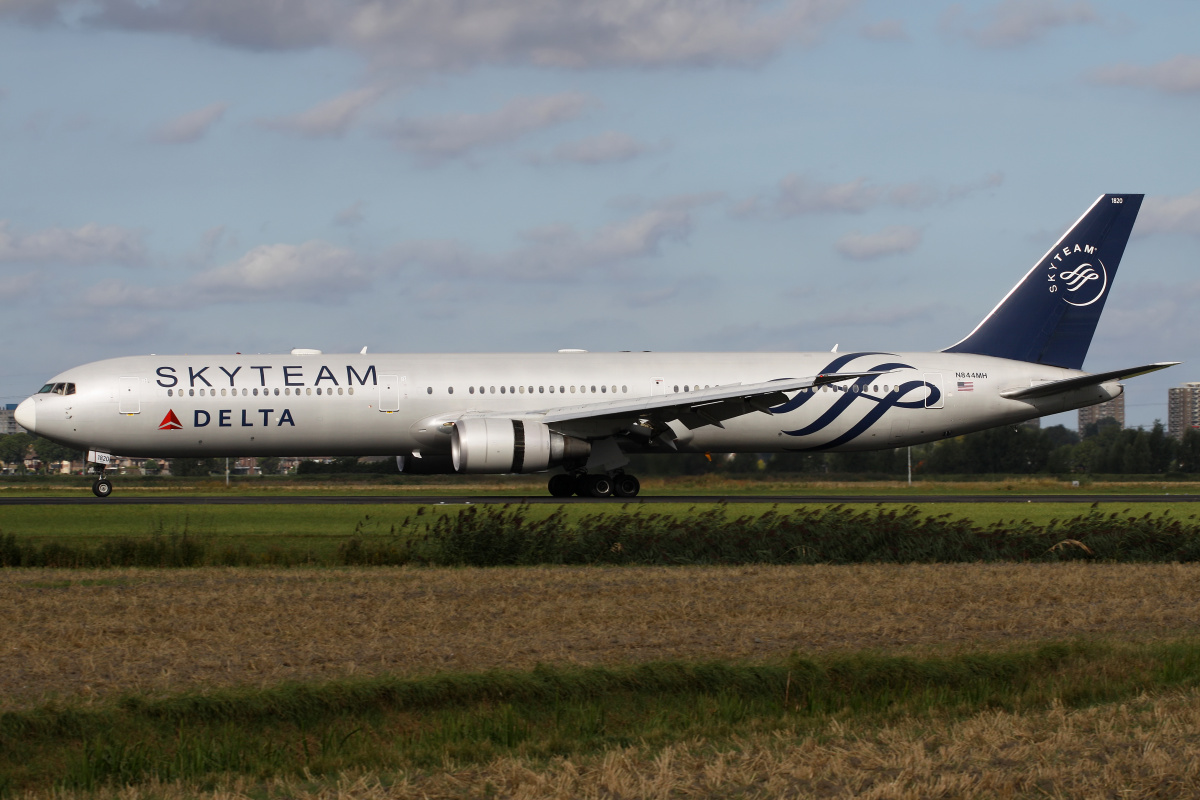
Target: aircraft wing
694, 409
1083, 381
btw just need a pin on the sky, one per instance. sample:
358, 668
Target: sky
217, 176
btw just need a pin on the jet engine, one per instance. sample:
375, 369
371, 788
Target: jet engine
498, 445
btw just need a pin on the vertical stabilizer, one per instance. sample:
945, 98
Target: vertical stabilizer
1050, 316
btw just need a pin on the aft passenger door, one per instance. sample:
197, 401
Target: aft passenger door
935, 397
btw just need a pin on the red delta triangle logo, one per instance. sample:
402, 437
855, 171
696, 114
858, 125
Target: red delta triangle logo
170, 422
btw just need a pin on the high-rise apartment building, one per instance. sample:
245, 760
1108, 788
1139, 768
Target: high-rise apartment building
1183, 408
1114, 408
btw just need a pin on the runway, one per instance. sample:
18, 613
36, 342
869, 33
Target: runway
417, 500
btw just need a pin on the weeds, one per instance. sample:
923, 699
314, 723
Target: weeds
509, 535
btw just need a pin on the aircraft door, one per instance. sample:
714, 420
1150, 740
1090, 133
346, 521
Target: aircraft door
658, 386
129, 396
935, 397
389, 392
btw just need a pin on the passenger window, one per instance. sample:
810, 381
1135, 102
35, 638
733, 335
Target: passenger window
593, 390
191, 392
318, 390
222, 393
471, 389
501, 390
603, 388
572, 390
256, 392
448, 391
512, 390
170, 392
350, 390
560, 390
624, 389
429, 390
277, 391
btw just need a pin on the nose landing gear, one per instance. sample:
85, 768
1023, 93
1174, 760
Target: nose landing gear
102, 487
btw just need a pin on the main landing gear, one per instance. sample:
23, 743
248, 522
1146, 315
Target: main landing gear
620, 484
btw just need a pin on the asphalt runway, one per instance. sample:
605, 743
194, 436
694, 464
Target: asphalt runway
415, 500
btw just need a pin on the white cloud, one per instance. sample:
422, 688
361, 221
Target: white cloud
314, 272
1180, 214
329, 119
433, 35
796, 195
14, 286
351, 216
885, 30
603, 148
88, 244
887, 242
1179, 75
435, 139
189, 127
557, 253
1013, 23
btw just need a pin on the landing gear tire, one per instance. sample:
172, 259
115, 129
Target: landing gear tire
102, 488
598, 485
626, 485
562, 485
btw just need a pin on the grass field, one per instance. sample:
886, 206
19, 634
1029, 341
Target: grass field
85, 635
1141, 747
871, 680
756, 682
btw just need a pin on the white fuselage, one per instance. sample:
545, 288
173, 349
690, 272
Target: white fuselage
390, 404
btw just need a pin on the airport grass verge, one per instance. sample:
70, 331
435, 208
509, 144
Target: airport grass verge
516, 535
450, 720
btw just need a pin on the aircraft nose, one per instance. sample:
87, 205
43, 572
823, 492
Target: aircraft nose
26, 415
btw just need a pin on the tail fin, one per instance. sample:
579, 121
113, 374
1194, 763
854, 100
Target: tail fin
1050, 316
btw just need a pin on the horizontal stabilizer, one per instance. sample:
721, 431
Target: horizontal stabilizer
1083, 381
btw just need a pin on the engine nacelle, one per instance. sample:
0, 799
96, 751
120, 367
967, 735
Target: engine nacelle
497, 445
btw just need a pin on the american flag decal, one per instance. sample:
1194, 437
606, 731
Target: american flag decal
966, 386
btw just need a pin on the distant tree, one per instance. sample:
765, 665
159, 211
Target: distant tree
268, 465
51, 452
193, 467
13, 449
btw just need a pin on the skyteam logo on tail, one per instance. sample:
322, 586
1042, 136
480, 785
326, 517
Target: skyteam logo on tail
1077, 275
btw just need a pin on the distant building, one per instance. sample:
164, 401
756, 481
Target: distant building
8, 424
1183, 409
1114, 408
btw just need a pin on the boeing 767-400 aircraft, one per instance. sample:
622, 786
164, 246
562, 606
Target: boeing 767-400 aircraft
583, 412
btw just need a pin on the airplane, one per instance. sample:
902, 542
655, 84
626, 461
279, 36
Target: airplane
583, 413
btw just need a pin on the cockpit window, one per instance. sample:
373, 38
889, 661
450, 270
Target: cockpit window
57, 388
49, 387
70, 389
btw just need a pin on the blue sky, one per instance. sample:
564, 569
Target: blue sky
425, 175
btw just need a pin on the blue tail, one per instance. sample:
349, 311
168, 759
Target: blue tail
1050, 316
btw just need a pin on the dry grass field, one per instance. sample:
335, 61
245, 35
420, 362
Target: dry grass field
1147, 747
85, 635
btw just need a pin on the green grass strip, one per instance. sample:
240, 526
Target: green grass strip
394, 724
